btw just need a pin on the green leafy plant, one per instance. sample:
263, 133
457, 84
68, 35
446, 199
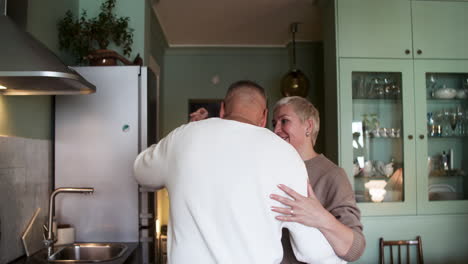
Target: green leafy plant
81, 36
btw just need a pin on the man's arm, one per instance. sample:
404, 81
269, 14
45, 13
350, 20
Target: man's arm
150, 167
310, 245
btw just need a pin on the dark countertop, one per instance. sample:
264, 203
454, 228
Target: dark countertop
40, 257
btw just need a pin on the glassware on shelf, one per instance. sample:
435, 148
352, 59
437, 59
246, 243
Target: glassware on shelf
462, 120
446, 122
453, 120
465, 83
439, 120
376, 89
359, 87
431, 85
387, 84
375, 125
396, 91
365, 125
431, 126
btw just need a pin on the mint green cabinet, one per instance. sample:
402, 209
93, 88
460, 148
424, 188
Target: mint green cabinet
376, 134
441, 89
402, 29
374, 28
440, 29
430, 108
403, 134
409, 147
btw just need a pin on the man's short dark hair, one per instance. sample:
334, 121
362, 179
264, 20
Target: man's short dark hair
245, 83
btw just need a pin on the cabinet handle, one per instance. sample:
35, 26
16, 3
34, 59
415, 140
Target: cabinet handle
421, 136
407, 51
419, 52
410, 137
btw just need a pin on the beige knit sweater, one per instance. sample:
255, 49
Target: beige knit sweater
332, 188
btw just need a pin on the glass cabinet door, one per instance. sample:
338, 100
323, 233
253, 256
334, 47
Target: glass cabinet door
377, 121
442, 91
377, 147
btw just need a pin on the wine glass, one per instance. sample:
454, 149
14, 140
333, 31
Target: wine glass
376, 89
461, 115
375, 123
431, 84
446, 122
453, 120
387, 87
439, 122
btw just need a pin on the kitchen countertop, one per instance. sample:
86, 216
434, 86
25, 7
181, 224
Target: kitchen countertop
38, 258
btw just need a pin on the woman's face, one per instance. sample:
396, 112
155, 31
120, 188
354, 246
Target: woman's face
289, 127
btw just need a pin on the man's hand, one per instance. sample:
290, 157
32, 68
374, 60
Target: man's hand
198, 115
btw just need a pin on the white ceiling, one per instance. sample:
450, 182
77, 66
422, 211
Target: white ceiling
237, 22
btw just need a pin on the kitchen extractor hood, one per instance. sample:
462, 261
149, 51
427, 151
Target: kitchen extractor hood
27, 67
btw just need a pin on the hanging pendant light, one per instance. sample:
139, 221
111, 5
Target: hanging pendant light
294, 83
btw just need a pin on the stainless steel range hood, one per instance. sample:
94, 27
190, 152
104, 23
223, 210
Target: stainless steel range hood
27, 67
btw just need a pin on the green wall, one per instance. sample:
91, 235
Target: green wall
188, 73
26, 116
42, 22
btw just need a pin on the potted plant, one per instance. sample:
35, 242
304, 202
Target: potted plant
88, 39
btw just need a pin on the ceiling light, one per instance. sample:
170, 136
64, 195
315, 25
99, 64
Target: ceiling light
294, 83
2, 87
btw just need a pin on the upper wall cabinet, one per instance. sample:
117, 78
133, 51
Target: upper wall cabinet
402, 29
374, 29
439, 30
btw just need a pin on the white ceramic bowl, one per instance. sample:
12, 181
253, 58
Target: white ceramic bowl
445, 93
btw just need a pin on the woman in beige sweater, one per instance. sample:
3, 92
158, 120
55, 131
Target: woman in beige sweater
330, 205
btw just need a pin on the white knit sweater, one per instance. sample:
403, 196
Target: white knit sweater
219, 175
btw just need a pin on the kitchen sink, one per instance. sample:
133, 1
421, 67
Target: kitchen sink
88, 252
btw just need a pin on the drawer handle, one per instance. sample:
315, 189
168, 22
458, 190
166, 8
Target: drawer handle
421, 136
419, 52
410, 137
407, 51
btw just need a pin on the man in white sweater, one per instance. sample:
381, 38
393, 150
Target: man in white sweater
219, 173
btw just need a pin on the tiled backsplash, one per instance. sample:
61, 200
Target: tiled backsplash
25, 176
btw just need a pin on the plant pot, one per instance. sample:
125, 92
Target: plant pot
103, 57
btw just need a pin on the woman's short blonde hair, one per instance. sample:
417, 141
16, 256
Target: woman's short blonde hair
305, 110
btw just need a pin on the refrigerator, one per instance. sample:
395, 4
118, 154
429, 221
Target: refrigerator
97, 138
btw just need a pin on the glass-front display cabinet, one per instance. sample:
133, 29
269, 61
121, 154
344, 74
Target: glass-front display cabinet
377, 146
442, 126
403, 134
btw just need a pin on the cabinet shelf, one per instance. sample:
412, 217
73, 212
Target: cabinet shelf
380, 177
383, 138
375, 101
448, 137
446, 101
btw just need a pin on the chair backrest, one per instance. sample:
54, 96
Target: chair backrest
398, 244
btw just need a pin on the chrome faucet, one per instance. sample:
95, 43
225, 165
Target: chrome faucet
50, 240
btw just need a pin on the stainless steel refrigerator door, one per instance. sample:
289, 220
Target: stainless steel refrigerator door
96, 142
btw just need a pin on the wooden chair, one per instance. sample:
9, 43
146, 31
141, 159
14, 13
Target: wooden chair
399, 243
